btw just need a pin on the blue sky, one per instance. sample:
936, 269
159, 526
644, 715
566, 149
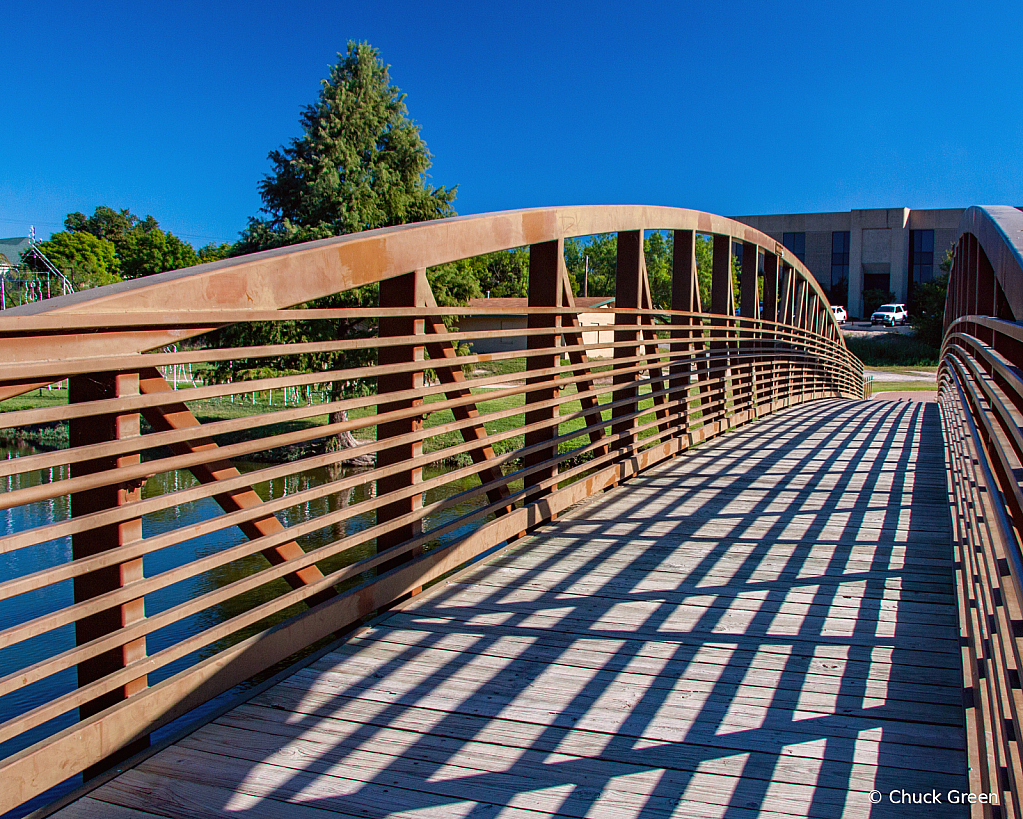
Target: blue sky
730, 107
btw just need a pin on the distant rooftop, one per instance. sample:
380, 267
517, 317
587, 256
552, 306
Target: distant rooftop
517, 302
11, 250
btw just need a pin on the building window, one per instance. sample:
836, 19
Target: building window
921, 256
878, 281
839, 257
796, 242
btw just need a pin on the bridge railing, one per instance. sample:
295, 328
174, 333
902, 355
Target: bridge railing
981, 399
324, 462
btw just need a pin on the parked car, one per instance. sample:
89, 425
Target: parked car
890, 314
840, 315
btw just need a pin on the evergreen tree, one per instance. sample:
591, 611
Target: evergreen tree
359, 164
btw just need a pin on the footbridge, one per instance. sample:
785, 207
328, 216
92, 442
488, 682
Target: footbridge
299, 535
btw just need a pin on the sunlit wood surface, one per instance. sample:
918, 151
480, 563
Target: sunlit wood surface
763, 627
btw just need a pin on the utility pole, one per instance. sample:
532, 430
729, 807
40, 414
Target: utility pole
586, 276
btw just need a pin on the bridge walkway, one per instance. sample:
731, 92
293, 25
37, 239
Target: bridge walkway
765, 626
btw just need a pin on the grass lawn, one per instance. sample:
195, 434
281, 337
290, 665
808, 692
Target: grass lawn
906, 378
510, 408
219, 409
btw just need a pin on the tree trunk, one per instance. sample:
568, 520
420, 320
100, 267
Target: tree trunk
345, 440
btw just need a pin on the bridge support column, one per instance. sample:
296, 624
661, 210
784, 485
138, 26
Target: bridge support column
628, 296
783, 344
768, 336
749, 308
722, 302
97, 430
796, 381
409, 290
685, 297
545, 290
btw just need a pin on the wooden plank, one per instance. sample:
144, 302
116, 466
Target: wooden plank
756, 687
428, 738
707, 661
544, 290
745, 728
846, 603
409, 291
306, 797
89, 808
114, 619
679, 623
490, 773
629, 277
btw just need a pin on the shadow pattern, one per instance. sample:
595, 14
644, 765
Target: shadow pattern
764, 626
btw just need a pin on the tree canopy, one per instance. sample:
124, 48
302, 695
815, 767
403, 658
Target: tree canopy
90, 261
601, 251
358, 164
141, 247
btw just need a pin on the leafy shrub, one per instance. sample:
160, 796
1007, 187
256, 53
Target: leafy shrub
874, 298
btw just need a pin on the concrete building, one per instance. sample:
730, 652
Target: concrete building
886, 249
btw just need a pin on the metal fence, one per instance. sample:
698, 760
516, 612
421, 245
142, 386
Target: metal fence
981, 400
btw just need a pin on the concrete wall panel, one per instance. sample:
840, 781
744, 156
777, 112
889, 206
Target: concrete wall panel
877, 246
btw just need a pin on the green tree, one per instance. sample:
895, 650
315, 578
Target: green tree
105, 223
85, 259
146, 252
454, 284
601, 251
598, 254
213, 252
929, 310
359, 164
658, 249
141, 246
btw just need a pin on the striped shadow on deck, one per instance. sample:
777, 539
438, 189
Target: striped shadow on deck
762, 627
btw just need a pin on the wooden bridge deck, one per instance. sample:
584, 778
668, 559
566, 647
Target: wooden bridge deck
763, 627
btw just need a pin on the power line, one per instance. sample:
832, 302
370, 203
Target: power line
195, 236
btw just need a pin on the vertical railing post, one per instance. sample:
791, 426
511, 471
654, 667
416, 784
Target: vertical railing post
628, 296
685, 297
783, 341
544, 290
409, 290
83, 432
818, 331
969, 282
749, 308
953, 283
799, 320
721, 301
769, 339
986, 302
